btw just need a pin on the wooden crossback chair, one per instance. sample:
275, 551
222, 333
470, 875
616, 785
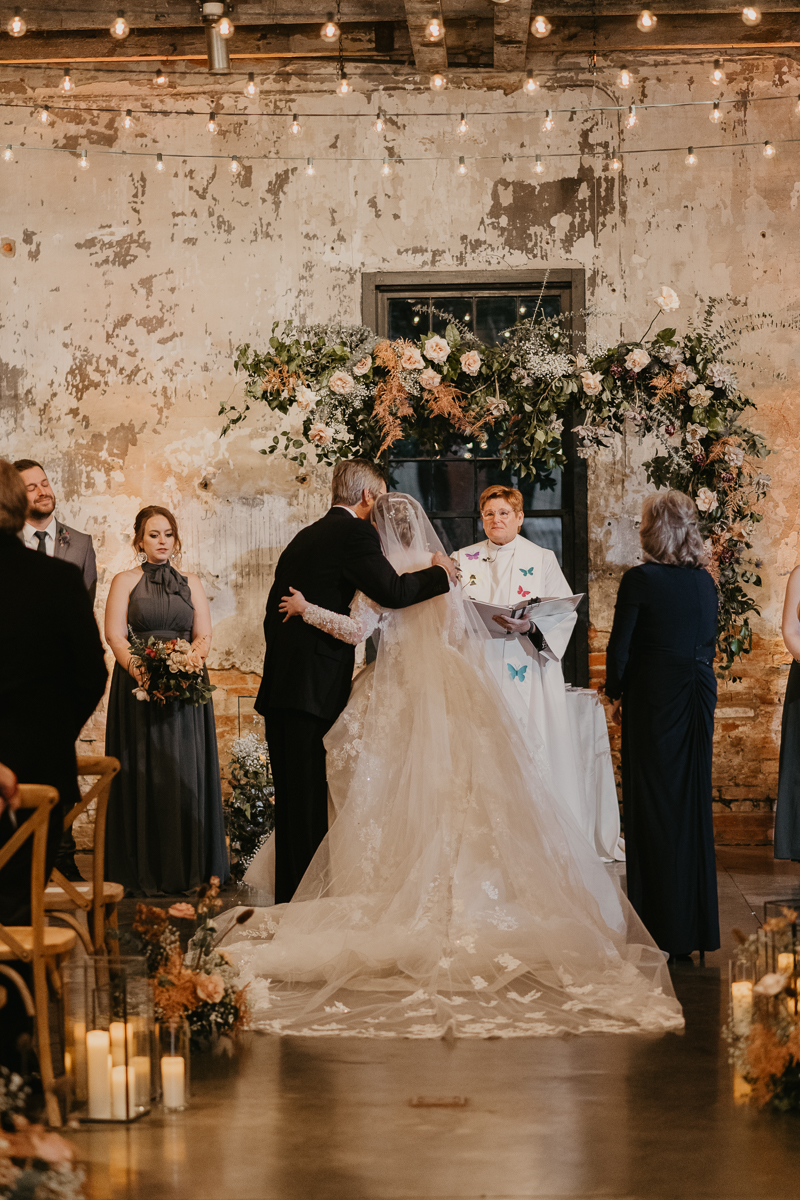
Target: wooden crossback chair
98, 899
36, 944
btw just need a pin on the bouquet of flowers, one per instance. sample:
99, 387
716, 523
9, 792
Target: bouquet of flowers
172, 670
34, 1161
250, 809
200, 984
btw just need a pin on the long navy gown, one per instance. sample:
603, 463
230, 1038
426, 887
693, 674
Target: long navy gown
165, 831
660, 661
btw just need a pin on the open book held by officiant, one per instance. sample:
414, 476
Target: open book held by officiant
544, 612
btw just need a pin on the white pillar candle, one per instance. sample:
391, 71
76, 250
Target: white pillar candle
141, 1069
119, 1031
172, 1081
123, 1107
98, 1058
786, 963
742, 1004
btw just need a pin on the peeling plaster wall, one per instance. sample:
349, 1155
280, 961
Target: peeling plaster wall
130, 289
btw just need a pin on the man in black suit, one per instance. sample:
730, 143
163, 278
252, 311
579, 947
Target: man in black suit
53, 677
307, 672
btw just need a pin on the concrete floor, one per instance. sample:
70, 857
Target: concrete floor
612, 1117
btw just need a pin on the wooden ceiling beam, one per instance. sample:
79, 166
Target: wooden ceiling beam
512, 24
428, 55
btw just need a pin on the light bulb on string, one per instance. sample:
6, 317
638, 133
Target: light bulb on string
751, 15
330, 30
463, 127
438, 82
295, 127
769, 150
691, 157
343, 86
540, 27
159, 162
44, 115
66, 84
715, 116
631, 118
225, 27
8, 153
16, 26
548, 123
624, 79
379, 124
235, 166
615, 163
310, 166
539, 165
119, 27
386, 168
717, 73
462, 166
160, 79
83, 161
211, 124
127, 120
646, 20
530, 85
251, 87
435, 30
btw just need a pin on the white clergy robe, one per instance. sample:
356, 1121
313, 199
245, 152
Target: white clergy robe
506, 575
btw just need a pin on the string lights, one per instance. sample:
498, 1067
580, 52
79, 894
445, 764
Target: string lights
211, 124
386, 168
343, 86
463, 127
691, 157
379, 123
159, 162
615, 163
646, 20
235, 166
631, 118
8, 153
530, 85
66, 84
310, 166
548, 123
769, 150
119, 27
44, 115
624, 79
225, 27
127, 122
251, 87
751, 15
540, 27
330, 31
438, 82
160, 78
717, 74
539, 165
16, 26
83, 161
435, 30
462, 166
296, 128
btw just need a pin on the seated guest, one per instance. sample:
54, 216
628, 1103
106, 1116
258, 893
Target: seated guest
787, 813
53, 678
660, 663
165, 832
43, 533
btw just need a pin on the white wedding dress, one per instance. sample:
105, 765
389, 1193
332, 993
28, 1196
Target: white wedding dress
453, 894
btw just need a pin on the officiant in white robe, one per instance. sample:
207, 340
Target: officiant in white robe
507, 568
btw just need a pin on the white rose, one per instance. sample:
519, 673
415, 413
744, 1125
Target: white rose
666, 299
637, 360
437, 349
592, 382
341, 383
706, 499
694, 432
429, 379
412, 360
470, 362
685, 374
734, 455
363, 365
581, 362
320, 434
304, 398
140, 693
700, 395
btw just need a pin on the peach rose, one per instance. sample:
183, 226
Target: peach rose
637, 360
437, 349
341, 383
363, 365
429, 379
304, 398
320, 434
210, 988
412, 360
182, 910
471, 362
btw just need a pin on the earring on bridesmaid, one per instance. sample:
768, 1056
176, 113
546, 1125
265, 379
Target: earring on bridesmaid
141, 557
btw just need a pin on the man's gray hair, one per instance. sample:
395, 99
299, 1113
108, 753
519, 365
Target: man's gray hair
353, 476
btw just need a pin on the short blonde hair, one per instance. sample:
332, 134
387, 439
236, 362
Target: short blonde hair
497, 491
670, 532
13, 499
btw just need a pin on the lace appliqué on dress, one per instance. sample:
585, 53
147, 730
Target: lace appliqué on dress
363, 619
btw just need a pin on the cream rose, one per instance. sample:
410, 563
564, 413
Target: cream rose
666, 299
363, 365
734, 455
305, 399
694, 432
210, 988
637, 360
706, 499
412, 360
592, 382
437, 349
471, 362
320, 434
700, 395
685, 374
140, 693
341, 383
429, 379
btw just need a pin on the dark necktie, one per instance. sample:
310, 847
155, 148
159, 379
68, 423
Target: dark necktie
42, 539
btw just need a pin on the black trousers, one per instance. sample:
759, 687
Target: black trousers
297, 758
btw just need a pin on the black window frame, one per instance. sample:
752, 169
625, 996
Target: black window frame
380, 286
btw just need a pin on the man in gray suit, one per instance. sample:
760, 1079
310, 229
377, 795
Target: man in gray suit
44, 532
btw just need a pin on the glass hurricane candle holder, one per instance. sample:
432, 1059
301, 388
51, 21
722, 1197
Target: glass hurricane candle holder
742, 980
109, 1037
174, 1063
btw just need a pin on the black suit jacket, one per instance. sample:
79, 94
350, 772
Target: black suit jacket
52, 678
305, 668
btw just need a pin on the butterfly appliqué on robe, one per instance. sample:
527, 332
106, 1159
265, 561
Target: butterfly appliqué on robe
517, 672
521, 591
475, 555
527, 570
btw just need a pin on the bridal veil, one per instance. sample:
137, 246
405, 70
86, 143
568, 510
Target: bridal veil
452, 894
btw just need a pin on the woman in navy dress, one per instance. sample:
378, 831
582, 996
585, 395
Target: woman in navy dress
165, 832
661, 679
787, 813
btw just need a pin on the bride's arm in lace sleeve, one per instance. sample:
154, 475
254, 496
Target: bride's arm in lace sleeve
364, 616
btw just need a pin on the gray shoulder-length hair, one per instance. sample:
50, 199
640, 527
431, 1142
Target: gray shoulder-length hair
670, 532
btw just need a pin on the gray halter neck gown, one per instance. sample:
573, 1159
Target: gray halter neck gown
165, 832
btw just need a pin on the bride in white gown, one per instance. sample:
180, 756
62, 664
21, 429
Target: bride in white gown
452, 894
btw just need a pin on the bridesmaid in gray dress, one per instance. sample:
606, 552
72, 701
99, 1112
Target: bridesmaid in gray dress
165, 832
